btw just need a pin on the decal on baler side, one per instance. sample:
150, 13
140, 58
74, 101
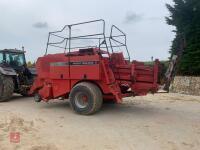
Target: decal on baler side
74, 63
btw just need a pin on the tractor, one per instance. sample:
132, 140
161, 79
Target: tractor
87, 75
15, 77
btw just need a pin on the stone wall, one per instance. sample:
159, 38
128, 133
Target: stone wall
186, 85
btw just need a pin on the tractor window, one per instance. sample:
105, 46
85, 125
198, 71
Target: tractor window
15, 59
1, 57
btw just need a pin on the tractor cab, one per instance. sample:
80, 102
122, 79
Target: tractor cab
13, 58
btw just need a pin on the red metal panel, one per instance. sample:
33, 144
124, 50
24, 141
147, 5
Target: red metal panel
60, 87
91, 72
85, 67
143, 78
57, 75
59, 72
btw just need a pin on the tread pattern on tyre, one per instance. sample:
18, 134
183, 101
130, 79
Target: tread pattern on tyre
8, 88
95, 91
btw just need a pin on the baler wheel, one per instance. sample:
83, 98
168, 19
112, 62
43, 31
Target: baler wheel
7, 88
86, 98
37, 97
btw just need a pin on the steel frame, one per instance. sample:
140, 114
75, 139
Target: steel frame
95, 36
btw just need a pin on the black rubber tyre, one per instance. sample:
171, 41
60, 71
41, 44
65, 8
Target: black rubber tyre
86, 98
37, 97
7, 88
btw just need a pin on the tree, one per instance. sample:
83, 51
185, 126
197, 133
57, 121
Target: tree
30, 64
185, 16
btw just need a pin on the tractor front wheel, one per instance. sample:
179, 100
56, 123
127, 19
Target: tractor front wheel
7, 88
86, 98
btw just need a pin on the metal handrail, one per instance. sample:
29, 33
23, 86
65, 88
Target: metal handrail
112, 37
70, 37
102, 39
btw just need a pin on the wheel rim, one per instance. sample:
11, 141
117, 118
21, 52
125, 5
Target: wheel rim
81, 100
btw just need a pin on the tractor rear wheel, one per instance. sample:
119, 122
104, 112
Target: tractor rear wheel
86, 98
7, 88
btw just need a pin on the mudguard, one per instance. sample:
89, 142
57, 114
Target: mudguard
7, 71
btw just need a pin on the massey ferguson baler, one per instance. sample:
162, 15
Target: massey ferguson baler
89, 75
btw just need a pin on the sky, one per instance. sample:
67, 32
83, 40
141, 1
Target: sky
27, 23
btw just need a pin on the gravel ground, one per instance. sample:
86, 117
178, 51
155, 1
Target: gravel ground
153, 122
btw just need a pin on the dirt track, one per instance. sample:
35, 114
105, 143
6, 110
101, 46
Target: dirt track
162, 121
